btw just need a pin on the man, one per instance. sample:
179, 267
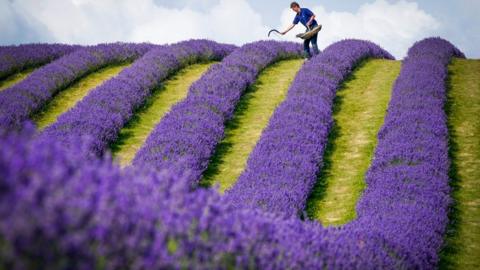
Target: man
307, 18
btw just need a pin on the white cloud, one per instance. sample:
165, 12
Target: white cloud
7, 26
225, 22
394, 26
93, 21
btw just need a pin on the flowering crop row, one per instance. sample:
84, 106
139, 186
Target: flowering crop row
407, 195
106, 109
91, 214
20, 101
87, 214
186, 137
282, 168
17, 58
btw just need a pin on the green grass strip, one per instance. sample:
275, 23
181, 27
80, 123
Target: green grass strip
359, 110
136, 131
250, 118
462, 250
68, 97
15, 78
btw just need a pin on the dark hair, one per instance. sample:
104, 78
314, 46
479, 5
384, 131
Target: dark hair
294, 4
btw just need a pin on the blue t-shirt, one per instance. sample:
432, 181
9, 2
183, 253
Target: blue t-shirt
304, 16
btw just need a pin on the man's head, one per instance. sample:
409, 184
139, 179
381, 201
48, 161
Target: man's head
295, 7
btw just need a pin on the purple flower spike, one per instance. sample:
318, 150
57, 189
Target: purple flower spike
282, 168
20, 101
107, 108
17, 58
59, 210
407, 195
186, 137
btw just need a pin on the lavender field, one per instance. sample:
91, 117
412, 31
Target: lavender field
203, 155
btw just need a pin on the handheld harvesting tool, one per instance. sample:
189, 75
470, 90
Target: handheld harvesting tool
310, 32
273, 31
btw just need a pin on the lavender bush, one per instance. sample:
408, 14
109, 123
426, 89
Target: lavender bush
17, 58
18, 102
186, 137
283, 166
59, 210
106, 109
407, 195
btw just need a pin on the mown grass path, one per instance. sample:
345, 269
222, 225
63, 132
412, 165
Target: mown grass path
15, 78
250, 118
68, 97
135, 133
359, 110
462, 249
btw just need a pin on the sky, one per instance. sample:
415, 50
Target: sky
393, 24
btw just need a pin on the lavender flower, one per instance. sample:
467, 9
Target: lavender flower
284, 164
106, 109
17, 58
18, 102
186, 137
59, 210
407, 195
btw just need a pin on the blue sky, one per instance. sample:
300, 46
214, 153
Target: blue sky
395, 25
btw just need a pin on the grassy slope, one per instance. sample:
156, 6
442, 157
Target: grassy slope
15, 78
463, 108
134, 134
359, 110
67, 98
251, 117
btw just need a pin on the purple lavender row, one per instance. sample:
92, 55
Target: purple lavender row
17, 58
407, 195
284, 164
186, 137
93, 215
106, 109
20, 101
59, 211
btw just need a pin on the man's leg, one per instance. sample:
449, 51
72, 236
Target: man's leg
306, 48
314, 44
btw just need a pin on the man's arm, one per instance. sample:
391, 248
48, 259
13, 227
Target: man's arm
311, 20
288, 29
312, 17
